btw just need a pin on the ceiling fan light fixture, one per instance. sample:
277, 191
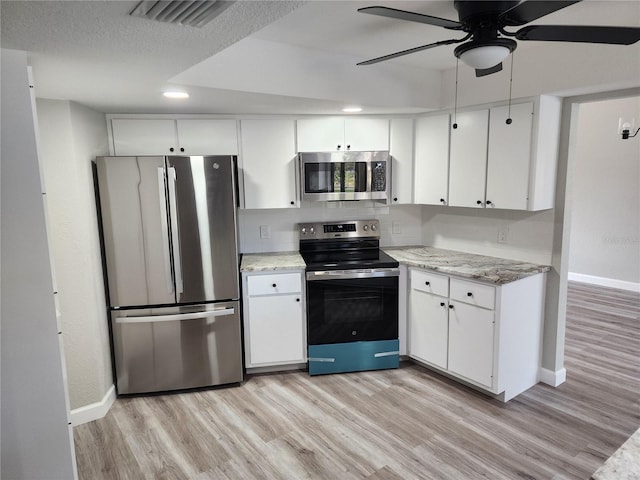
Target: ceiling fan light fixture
486, 54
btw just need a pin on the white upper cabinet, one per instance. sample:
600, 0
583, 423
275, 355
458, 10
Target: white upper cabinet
268, 163
134, 136
207, 137
495, 164
363, 134
468, 159
329, 134
168, 136
432, 160
509, 156
401, 150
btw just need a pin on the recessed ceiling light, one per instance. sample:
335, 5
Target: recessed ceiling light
173, 94
352, 109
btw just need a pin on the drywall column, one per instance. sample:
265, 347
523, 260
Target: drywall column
36, 442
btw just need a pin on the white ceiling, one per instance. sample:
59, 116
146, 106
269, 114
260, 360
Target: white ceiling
256, 57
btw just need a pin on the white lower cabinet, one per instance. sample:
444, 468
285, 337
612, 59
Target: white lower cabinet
428, 328
274, 318
471, 346
484, 334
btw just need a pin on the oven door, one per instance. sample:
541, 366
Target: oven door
352, 305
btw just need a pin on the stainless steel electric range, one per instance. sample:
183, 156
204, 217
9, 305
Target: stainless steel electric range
352, 297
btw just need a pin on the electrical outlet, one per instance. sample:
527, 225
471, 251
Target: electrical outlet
265, 231
503, 234
396, 227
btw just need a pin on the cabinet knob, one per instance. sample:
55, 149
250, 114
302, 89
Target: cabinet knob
339, 147
274, 285
171, 149
469, 294
451, 307
348, 147
427, 283
395, 199
297, 299
182, 149
479, 202
489, 202
442, 304
443, 201
293, 203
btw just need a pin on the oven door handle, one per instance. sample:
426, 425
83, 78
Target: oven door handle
357, 273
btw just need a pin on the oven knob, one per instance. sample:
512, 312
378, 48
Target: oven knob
373, 228
312, 230
353, 332
365, 228
304, 230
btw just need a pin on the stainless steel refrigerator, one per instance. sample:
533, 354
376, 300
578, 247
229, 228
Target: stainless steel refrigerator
171, 259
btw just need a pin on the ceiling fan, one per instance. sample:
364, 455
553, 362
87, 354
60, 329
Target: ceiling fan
484, 23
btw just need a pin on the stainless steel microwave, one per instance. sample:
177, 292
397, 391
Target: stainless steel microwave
334, 176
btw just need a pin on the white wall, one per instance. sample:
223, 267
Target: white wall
529, 235
37, 442
71, 136
284, 234
605, 191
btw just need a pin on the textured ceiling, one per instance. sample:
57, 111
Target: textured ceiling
257, 56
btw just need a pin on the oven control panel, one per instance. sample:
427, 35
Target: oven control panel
350, 229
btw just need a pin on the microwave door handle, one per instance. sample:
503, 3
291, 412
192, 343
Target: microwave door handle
175, 237
177, 317
165, 230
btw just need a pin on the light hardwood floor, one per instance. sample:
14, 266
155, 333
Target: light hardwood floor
408, 423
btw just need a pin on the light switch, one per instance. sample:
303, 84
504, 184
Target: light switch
265, 231
396, 227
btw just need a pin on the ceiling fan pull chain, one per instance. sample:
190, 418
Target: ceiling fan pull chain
455, 100
509, 120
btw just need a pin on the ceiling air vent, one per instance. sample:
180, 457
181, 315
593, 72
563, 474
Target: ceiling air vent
192, 13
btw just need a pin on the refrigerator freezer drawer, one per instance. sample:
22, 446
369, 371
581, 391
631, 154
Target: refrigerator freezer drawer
177, 348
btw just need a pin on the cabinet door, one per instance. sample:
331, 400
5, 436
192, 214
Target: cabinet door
276, 333
428, 328
471, 342
268, 163
509, 157
401, 150
468, 159
320, 134
432, 160
207, 137
363, 134
135, 136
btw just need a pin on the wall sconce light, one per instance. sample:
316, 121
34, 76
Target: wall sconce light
625, 127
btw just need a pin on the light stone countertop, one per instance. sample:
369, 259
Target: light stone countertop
478, 267
624, 464
261, 262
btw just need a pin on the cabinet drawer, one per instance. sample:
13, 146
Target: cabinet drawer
473, 293
273, 284
430, 282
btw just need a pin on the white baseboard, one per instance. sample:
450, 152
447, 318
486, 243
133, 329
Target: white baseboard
553, 378
94, 411
605, 282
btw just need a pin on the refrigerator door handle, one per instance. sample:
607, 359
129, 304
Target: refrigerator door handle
165, 230
175, 237
178, 317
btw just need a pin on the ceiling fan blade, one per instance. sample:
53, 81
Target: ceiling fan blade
412, 17
483, 72
580, 33
411, 50
531, 10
